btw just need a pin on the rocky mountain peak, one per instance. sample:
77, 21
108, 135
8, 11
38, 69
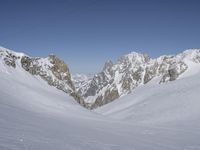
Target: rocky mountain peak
134, 57
53, 70
60, 69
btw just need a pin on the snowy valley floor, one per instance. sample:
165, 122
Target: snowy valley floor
35, 116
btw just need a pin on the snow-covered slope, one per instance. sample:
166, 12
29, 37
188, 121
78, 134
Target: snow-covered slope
37, 116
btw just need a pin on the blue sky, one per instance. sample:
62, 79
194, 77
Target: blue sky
86, 33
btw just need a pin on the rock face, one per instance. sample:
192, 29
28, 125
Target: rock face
133, 70
53, 70
9, 58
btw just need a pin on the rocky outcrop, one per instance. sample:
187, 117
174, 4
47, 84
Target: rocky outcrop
51, 69
174, 72
9, 58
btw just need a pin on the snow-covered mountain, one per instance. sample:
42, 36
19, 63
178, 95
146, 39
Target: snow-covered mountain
51, 69
133, 70
114, 81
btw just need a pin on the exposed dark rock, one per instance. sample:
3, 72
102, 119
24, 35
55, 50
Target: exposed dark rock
26, 63
10, 59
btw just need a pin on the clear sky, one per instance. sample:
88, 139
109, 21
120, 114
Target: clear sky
86, 33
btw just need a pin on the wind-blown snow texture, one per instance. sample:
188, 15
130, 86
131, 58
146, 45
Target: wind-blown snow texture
36, 116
